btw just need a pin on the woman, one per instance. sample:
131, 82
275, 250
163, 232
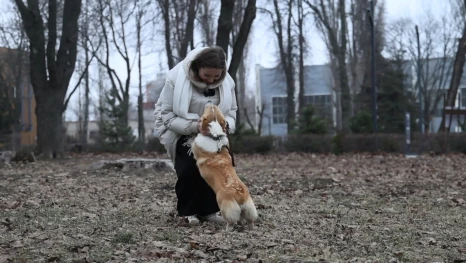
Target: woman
201, 77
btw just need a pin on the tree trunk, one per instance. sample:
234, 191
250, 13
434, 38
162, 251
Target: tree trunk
165, 7
189, 30
20, 62
225, 24
242, 84
455, 79
49, 108
286, 59
289, 73
85, 126
345, 93
238, 47
50, 70
86, 102
141, 128
205, 21
301, 56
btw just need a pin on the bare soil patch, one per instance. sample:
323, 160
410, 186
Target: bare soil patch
313, 208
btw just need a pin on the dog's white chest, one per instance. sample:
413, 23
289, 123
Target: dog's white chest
210, 145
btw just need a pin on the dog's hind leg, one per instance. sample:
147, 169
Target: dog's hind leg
231, 211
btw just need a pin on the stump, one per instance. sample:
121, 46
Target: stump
136, 163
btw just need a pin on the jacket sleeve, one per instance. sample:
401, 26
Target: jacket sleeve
231, 116
170, 120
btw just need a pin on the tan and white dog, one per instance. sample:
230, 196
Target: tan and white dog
215, 165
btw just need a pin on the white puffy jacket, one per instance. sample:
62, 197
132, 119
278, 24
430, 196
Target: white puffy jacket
181, 102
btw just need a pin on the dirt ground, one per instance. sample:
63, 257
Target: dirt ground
313, 208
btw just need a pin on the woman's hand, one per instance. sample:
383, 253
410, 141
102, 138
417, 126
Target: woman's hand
205, 132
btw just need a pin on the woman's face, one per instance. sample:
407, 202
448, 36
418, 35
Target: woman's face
209, 75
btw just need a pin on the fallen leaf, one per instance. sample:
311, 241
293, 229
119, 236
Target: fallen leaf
459, 201
5, 258
194, 244
10, 204
53, 259
200, 254
271, 244
17, 244
33, 203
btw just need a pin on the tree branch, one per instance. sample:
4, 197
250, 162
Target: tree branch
225, 24
189, 30
249, 16
81, 77
52, 41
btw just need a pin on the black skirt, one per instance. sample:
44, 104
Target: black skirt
195, 196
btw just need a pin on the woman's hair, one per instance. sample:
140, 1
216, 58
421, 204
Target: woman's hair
211, 57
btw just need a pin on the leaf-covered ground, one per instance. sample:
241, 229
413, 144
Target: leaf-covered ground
313, 208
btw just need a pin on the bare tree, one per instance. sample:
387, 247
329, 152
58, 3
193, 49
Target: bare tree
435, 63
86, 36
331, 20
225, 24
114, 25
241, 37
51, 69
165, 10
460, 8
179, 17
13, 69
224, 29
301, 43
186, 33
359, 46
140, 14
241, 75
282, 25
205, 21
241, 72
87, 60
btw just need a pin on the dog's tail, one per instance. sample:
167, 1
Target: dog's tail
248, 211
231, 211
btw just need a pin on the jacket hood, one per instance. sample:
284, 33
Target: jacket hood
192, 55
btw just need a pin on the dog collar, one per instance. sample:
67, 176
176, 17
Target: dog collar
215, 138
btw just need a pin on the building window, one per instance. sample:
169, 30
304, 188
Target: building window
279, 109
322, 105
463, 97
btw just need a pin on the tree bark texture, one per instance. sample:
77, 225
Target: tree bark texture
50, 70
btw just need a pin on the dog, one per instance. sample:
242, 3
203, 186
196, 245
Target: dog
215, 165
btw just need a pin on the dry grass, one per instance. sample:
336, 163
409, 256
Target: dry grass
354, 208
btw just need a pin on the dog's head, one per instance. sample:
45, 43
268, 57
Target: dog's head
213, 119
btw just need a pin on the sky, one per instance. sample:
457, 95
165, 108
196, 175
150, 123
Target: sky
262, 49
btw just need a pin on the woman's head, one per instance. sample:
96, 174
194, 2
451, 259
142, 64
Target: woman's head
210, 65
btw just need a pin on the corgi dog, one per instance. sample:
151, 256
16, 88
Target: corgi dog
215, 165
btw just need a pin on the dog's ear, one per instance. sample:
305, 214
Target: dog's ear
223, 124
205, 124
